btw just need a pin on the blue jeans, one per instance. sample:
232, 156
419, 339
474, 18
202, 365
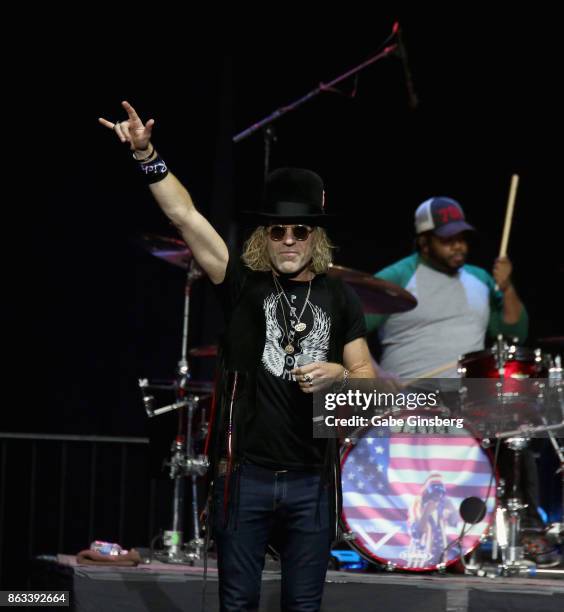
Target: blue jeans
280, 503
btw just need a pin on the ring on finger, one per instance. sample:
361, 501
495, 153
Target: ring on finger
307, 378
116, 124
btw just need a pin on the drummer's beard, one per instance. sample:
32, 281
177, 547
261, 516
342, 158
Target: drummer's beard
450, 264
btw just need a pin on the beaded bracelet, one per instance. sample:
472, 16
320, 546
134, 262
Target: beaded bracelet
346, 375
147, 157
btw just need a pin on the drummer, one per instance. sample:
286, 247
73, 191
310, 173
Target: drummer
458, 304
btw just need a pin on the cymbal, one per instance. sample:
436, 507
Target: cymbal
204, 351
171, 250
378, 296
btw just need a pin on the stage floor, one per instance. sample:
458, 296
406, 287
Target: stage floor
178, 588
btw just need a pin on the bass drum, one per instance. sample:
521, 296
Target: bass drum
402, 494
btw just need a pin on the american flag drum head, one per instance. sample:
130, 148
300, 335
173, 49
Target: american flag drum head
402, 494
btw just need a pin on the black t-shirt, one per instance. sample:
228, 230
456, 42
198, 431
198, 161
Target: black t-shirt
280, 434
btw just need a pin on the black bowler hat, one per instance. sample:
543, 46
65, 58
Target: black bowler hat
292, 195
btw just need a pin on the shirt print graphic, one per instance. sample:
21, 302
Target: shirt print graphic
314, 342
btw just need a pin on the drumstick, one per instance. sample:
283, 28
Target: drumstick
509, 215
431, 373
439, 370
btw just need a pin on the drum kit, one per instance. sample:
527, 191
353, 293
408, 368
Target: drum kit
426, 502
532, 392
405, 501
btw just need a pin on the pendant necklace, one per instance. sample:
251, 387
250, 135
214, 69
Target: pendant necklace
298, 326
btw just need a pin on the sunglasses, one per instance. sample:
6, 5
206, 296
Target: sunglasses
278, 232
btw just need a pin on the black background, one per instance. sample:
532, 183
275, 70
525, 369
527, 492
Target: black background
91, 311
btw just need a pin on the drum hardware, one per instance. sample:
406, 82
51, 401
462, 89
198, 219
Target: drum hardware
499, 387
517, 444
508, 530
555, 531
556, 391
510, 364
503, 361
500, 354
500, 491
555, 376
183, 462
149, 401
505, 542
197, 465
507, 534
473, 565
472, 511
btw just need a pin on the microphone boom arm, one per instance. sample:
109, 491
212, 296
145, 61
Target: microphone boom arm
314, 92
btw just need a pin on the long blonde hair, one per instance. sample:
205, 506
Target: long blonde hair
255, 251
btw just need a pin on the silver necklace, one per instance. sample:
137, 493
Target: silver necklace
298, 326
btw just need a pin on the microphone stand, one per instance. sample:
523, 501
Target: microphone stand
264, 124
269, 137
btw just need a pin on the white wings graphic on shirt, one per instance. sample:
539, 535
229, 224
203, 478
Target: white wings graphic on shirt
315, 345
273, 355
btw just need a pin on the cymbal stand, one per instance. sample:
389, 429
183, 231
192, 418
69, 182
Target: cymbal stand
183, 461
